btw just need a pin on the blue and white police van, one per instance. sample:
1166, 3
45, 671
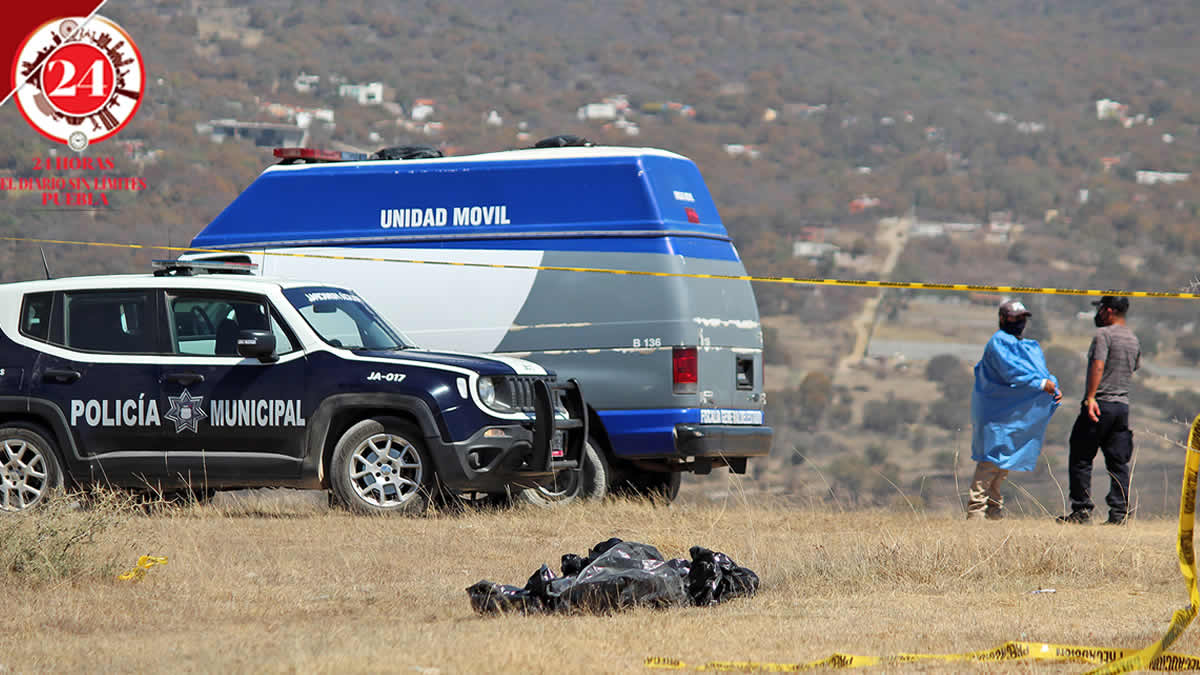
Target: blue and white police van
178, 381
481, 253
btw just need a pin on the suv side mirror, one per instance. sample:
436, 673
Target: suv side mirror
257, 344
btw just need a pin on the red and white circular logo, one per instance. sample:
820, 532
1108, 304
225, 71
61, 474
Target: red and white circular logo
78, 85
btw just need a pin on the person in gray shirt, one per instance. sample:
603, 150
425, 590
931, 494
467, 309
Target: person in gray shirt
1103, 420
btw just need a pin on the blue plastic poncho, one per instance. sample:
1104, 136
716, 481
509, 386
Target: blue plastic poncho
1009, 410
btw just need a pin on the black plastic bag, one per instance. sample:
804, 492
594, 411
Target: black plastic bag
620, 574
714, 577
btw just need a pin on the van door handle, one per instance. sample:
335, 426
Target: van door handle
183, 378
60, 375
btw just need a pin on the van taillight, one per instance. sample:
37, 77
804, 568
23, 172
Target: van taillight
684, 370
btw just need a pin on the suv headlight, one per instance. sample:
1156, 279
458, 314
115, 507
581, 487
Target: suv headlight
495, 393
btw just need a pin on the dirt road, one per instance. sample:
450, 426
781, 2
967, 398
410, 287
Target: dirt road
892, 235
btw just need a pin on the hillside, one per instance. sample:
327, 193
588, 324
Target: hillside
809, 121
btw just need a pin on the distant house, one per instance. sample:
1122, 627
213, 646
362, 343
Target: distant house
1030, 127
927, 230
364, 94
962, 228
863, 203
493, 119
742, 150
422, 109
301, 117
683, 109
1108, 109
1002, 216
802, 110
630, 128
605, 112
263, 134
305, 83
813, 250
1109, 162
1165, 177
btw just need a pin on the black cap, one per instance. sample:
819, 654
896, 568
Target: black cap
1118, 304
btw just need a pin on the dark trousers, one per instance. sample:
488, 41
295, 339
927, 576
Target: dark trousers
1112, 436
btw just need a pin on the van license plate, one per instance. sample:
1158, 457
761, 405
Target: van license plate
557, 442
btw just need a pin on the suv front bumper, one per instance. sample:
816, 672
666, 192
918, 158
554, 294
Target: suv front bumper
519, 455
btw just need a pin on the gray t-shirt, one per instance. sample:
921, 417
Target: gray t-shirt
1121, 353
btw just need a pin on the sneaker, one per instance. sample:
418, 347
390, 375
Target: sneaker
1075, 518
975, 515
995, 515
1116, 520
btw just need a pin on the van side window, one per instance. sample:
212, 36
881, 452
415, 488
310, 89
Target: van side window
35, 315
117, 322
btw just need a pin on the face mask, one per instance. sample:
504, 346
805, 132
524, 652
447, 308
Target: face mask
1013, 328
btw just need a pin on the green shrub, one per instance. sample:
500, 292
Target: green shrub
949, 414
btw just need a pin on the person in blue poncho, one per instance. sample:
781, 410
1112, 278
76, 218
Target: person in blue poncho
1014, 397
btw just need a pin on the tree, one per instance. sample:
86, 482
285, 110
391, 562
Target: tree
816, 392
941, 366
949, 414
1189, 346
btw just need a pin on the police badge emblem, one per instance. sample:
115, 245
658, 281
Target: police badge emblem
186, 412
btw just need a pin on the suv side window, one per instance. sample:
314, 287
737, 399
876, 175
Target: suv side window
35, 315
117, 322
208, 324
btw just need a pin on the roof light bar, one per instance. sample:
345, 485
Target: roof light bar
185, 267
297, 155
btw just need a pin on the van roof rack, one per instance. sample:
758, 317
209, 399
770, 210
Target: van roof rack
564, 141
184, 268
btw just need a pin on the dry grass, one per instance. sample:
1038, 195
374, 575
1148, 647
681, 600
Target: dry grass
283, 584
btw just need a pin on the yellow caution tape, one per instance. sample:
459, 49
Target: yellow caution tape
1009, 651
1187, 564
143, 563
1111, 660
856, 283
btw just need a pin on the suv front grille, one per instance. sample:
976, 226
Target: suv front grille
521, 387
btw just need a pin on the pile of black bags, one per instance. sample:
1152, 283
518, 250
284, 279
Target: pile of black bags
620, 574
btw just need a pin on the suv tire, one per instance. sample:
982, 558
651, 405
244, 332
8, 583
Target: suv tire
29, 467
590, 482
380, 465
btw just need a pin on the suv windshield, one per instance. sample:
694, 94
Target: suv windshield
343, 319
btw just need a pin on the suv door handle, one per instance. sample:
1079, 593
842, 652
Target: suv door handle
60, 375
183, 378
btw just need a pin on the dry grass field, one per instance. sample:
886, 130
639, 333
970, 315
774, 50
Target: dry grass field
267, 583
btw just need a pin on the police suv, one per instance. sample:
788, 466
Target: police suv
184, 380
